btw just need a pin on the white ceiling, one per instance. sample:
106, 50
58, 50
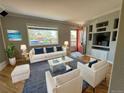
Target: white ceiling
77, 11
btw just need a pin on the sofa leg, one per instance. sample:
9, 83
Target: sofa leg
93, 90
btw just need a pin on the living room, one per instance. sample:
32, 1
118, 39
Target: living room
40, 49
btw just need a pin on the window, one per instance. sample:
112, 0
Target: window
42, 36
73, 38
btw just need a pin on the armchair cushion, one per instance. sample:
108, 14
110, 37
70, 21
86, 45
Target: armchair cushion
38, 50
39, 56
61, 79
99, 65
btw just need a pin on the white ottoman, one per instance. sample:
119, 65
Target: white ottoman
20, 73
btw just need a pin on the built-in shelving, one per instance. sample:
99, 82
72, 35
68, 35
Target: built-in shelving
90, 28
101, 24
102, 32
90, 36
101, 48
106, 26
114, 35
101, 29
116, 21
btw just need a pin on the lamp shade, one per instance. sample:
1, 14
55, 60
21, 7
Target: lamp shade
66, 43
23, 47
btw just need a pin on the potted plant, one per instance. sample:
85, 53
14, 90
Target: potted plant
10, 53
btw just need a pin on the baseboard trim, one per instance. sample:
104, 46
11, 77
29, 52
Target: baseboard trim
109, 61
3, 65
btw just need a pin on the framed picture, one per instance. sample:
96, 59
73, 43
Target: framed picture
14, 35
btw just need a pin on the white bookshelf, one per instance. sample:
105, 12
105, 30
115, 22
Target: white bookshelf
111, 48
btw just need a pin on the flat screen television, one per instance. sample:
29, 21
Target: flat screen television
101, 39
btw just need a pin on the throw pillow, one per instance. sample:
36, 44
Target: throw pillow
59, 48
38, 51
49, 49
91, 63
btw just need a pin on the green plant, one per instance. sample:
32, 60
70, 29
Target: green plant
10, 50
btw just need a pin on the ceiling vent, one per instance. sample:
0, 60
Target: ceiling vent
3, 12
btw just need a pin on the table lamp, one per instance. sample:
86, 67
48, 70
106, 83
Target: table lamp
23, 48
66, 43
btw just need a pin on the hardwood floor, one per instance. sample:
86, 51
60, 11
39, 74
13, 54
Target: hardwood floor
103, 87
6, 85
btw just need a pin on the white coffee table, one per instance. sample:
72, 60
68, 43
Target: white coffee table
53, 63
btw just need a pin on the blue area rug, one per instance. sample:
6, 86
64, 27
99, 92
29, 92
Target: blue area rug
36, 83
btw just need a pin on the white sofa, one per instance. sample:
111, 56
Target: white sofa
70, 82
20, 72
45, 56
94, 75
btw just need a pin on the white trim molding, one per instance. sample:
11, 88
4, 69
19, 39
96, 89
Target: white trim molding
3, 65
2, 32
111, 62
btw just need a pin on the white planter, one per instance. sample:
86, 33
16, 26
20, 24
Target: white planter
12, 61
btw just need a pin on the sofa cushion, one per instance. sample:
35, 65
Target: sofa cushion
60, 53
49, 49
59, 48
55, 54
98, 65
38, 51
39, 56
61, 79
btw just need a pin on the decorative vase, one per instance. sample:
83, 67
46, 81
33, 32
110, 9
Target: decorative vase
12, 61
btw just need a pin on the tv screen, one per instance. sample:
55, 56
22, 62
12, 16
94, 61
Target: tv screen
42, 36
101, 39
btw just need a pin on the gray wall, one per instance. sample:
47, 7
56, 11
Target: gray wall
19, 22
117, 82
2, 50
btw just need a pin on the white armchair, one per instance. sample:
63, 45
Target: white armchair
95, 74
70, 82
